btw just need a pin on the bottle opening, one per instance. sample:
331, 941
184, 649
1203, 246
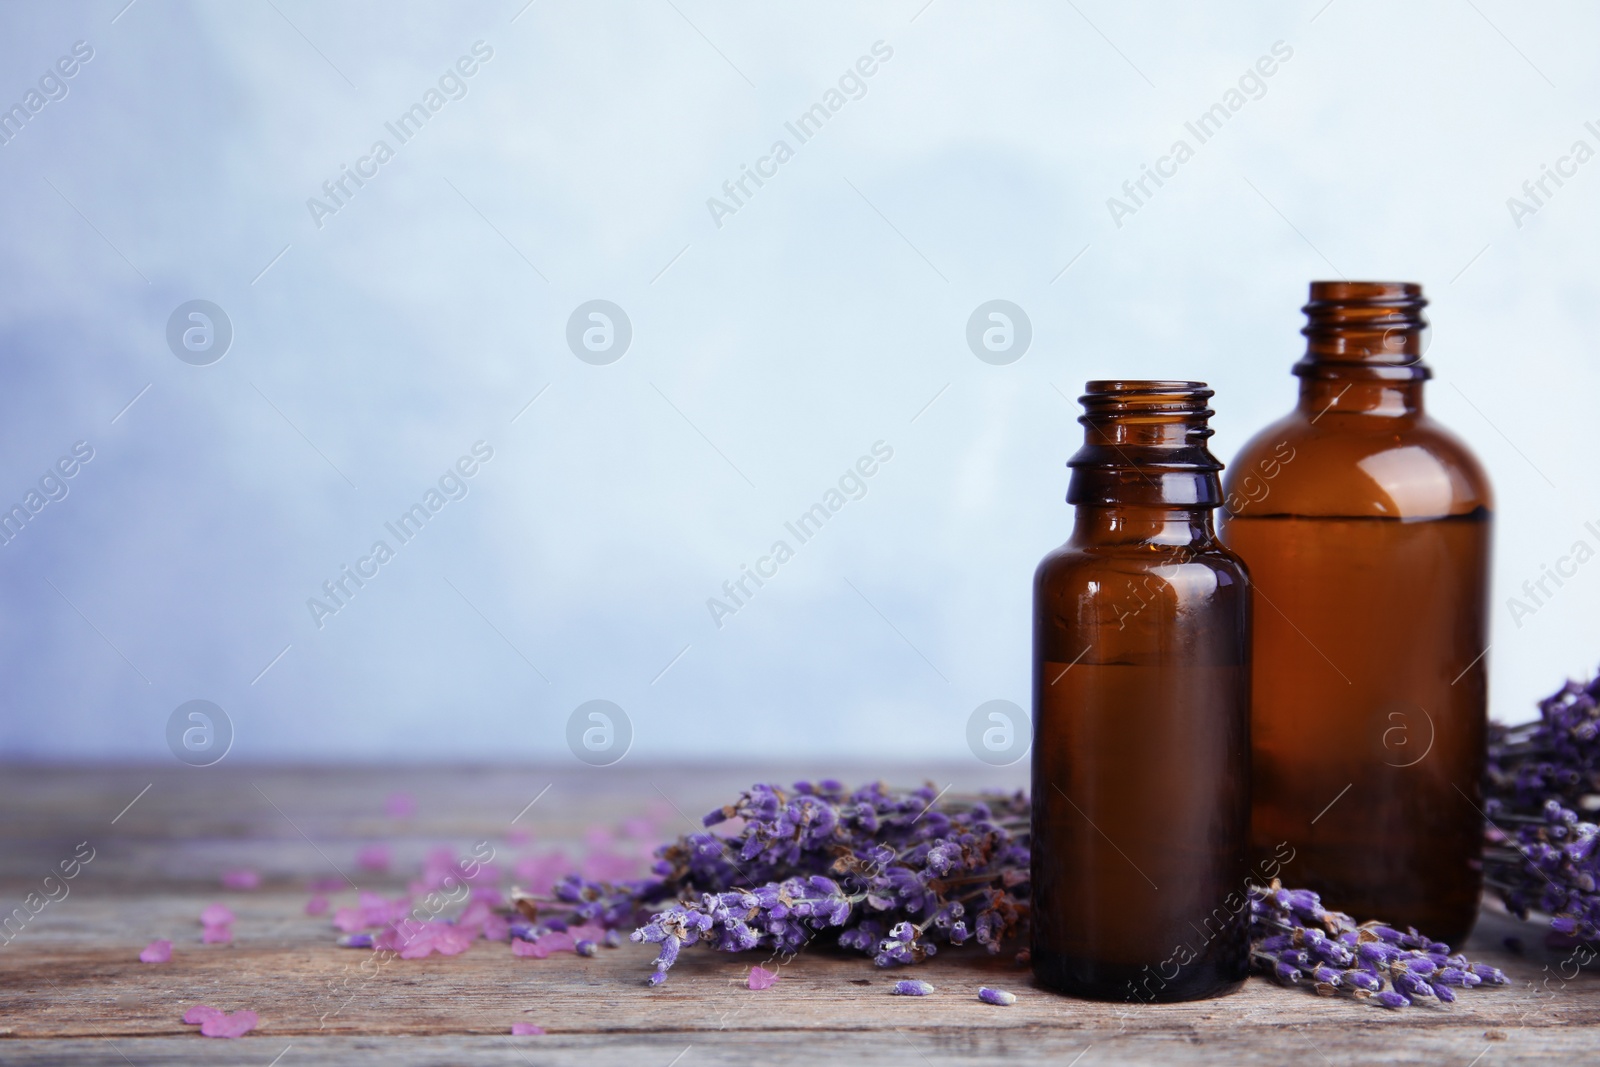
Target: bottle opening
1145, 397
1144, 444
1371, 329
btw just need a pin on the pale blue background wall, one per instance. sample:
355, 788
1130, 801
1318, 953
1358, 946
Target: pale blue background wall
768, 353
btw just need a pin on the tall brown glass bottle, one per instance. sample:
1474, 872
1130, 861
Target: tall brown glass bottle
1366, 527
1141, 714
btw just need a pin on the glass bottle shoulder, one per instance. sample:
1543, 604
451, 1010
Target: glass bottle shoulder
1406, 467
1079, 567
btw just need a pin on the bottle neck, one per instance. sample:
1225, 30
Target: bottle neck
1358, 394
1097, 525
1364, 346
1144, 475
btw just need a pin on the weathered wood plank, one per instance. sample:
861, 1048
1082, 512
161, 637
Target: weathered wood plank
71, 986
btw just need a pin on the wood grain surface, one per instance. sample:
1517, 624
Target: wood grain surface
72, 989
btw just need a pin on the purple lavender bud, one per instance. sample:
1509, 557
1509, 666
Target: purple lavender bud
1490, 975
1363, 980
613, 938
586, 948
911, 987
996, 996
1444, 993
1327, 975
1390, 999
1564, 925
522, 930
1376, 952
1455, 976
1334, 953
1419, 965
1411, 985
355, 941
1286, 974
1304, 900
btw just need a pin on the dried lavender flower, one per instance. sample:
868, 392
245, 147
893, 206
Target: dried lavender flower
912, 987
996, 996
1293, 936
895, 873
1540, 853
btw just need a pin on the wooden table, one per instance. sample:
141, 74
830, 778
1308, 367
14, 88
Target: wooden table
72, 989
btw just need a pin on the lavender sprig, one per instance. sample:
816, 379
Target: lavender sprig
899, 874
1540, 853
896, 873
1295, 939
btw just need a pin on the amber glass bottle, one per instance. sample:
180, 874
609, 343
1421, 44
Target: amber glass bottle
1141, 701
1365, 525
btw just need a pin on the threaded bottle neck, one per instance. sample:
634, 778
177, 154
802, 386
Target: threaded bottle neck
1372, 330
1145, 446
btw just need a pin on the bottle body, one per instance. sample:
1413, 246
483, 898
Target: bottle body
1141, 733
1366, 527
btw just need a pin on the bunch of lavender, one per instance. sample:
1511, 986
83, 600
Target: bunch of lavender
1557, 756
894, 873
1293, 937
578, 901
1540, 854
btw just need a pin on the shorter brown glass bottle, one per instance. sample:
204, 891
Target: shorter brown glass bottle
1141, 772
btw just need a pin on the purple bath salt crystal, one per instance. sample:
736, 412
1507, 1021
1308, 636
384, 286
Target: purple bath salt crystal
996, 996
912, 987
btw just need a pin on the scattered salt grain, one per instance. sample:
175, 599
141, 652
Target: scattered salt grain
241, 878
373, 858
216, 1023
